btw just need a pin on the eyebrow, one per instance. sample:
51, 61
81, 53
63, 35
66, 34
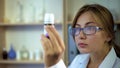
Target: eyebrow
85, 23
89, 23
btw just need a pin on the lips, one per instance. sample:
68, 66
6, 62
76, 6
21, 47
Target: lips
82, 45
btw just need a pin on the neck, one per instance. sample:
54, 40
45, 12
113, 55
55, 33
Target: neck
98, 57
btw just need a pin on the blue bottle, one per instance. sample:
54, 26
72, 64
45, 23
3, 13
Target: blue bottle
12, 53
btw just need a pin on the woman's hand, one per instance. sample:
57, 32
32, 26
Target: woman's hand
53, 46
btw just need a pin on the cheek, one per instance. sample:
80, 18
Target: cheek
77, 39
96, 41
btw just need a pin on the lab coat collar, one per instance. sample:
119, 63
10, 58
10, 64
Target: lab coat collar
108, 62
83, 60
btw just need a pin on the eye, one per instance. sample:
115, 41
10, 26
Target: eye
75, 31
90, 29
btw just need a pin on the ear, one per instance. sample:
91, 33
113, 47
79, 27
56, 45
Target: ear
108, 38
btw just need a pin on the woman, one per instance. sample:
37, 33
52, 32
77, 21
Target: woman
93, 32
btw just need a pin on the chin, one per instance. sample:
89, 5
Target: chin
83, 51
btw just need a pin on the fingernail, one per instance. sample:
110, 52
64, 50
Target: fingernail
47, 36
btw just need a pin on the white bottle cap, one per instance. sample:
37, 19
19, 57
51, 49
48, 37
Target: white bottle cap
49, 18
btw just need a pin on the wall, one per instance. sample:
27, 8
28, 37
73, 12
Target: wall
112, 5
33, 10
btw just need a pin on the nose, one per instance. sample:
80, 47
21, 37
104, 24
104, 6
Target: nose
82, 35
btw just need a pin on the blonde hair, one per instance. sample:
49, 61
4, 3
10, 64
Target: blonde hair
103, 17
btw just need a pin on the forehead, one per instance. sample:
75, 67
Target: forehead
86, 18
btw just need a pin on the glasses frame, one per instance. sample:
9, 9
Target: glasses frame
72, 30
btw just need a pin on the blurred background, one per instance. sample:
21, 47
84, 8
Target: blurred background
22, 23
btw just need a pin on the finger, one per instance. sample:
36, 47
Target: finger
47, 46
53, 40
57, 36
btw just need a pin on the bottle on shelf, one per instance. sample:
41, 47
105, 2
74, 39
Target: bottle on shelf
21, 10
24, 53
31, 55
12, 53
4, 54
37, 55
18, 55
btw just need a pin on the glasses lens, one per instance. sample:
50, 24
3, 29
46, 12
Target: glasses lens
89, 30
75, 31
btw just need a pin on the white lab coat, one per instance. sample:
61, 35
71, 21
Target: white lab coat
81, 61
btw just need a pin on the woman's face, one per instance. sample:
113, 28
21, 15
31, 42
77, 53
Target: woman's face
89, 43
